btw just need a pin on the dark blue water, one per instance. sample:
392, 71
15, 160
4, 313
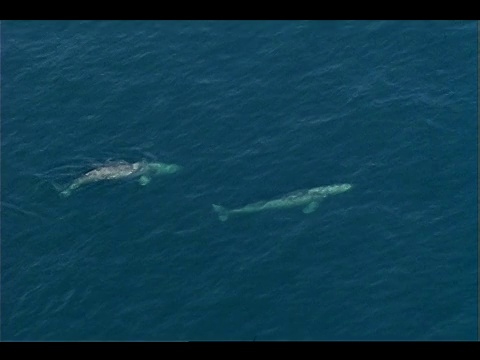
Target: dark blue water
252, 111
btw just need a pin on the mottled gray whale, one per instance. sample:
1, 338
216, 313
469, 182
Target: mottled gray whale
309, 199
123, 170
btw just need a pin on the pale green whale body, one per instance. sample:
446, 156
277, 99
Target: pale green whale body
309, 199
123, 170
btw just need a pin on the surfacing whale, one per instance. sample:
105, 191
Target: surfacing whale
122, 170
309, 199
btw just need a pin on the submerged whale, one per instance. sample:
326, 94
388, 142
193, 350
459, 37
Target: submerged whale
309, 199
122, 170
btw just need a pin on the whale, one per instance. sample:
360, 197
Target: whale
142, 170
308, 199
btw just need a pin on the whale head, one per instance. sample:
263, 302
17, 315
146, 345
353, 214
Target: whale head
330, 190
161, 168
337, 189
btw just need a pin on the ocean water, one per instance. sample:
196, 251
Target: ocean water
252, 110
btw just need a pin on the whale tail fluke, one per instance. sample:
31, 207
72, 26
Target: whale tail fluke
66, 192
221, 211
57, 186
62, 190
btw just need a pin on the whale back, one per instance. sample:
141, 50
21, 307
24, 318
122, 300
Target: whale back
118, 171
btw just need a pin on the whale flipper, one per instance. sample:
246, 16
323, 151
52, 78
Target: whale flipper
144, 180
310, 207
221, 211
